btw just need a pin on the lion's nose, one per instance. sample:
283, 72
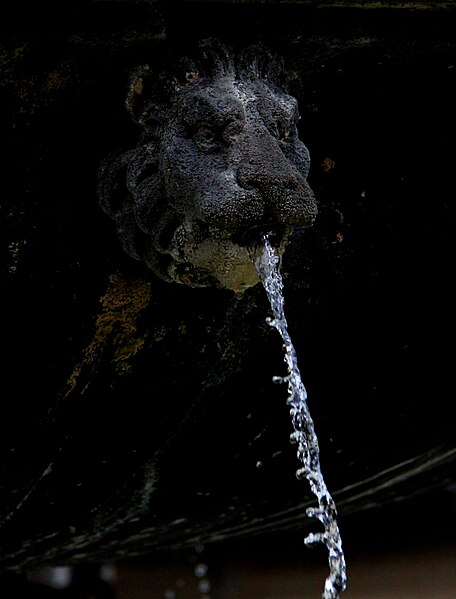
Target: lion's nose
288, 198
264, 176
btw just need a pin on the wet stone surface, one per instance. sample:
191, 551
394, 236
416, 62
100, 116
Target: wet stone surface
135, 412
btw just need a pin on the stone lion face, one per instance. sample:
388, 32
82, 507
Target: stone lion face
219, 161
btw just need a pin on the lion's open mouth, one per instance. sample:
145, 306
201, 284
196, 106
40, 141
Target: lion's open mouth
219, 262
219, 258
254, 235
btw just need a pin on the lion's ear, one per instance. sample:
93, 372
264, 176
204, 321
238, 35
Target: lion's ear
113, 194
149, 98
116, 201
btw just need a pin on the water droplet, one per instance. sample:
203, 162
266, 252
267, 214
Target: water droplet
204, 586
315, 537
301, 453
310, 511
295, 437
200, 570
301, 473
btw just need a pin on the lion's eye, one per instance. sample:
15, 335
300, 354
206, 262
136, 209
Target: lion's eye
205, 132
232, 129
211, 137
206, 138
286, 129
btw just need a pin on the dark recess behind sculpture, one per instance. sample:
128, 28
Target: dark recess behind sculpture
86, 472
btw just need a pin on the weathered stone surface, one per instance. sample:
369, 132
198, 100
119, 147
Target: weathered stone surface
218, 158
135, 412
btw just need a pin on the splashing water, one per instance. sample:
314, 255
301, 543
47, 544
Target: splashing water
267, 263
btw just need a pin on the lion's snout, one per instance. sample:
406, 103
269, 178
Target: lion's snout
285, 197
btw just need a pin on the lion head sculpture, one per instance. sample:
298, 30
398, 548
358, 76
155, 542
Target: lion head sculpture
218, 161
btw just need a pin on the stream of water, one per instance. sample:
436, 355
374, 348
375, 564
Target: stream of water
267, 263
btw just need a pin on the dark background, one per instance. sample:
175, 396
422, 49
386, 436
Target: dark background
86, 472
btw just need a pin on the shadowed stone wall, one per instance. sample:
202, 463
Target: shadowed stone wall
92, 339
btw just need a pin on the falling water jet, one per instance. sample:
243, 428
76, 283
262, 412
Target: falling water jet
267, 263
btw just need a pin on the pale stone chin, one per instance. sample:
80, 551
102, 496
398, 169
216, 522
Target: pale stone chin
219, 261
201, 261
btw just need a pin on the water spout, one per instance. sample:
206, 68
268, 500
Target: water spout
267, 263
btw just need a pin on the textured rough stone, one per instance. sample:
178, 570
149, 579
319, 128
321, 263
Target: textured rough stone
218, 157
